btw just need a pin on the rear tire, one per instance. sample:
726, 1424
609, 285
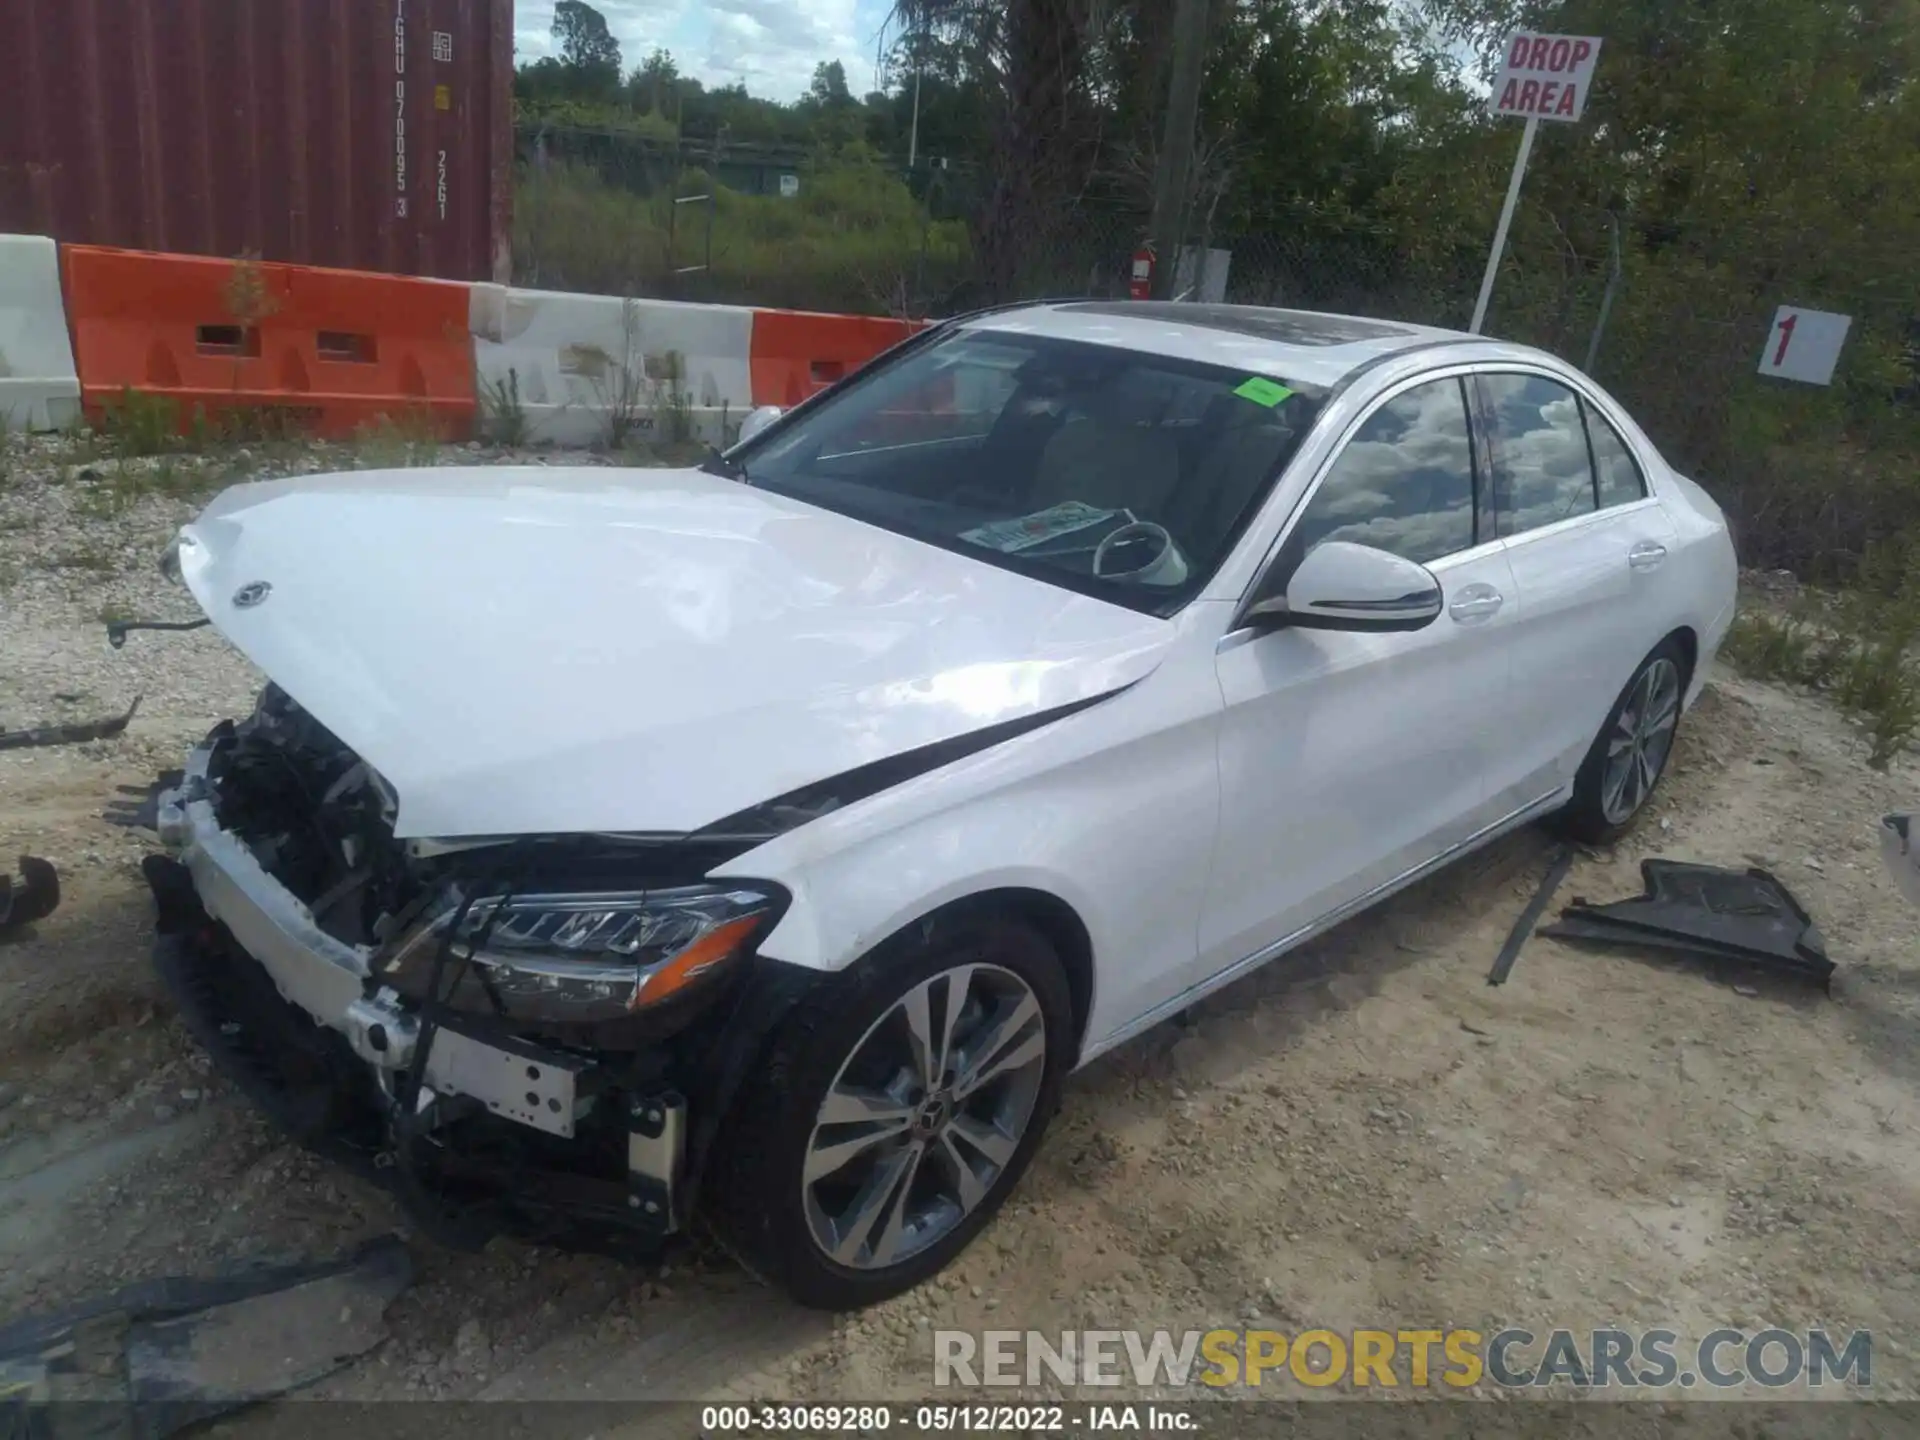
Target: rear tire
890, 1119
1629, 756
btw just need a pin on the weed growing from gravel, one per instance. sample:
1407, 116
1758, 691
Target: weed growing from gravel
142, 424
1860, 650
503, 418
396, 442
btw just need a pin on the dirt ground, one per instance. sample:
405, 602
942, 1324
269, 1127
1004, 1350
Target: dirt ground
1363, 1134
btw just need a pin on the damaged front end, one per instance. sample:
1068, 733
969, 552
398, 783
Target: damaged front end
537, 1035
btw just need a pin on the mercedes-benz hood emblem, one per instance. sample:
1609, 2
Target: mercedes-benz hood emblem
251, 594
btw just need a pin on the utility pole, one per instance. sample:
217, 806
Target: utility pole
1173, 173
913, 137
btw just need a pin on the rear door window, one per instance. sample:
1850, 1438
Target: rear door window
1542, 469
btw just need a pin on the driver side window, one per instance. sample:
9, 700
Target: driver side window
1405, 481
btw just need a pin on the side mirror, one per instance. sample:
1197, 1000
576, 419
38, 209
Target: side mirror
1343, 586
757, 420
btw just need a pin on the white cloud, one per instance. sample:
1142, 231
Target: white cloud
638, 25
1543, 450
771, 46
1405, 483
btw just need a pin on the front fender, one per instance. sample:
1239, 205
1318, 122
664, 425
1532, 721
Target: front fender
1113, 812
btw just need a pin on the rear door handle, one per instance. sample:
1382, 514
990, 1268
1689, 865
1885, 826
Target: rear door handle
1646, 555
1475, 603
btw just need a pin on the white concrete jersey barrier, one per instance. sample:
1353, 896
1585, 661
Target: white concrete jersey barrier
39, 386
577, 367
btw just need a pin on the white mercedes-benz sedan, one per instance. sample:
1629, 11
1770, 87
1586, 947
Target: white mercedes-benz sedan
764, 843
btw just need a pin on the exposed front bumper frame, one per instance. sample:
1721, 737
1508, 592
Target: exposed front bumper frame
322, 975
332, 981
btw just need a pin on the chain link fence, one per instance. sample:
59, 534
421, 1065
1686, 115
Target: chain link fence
1814, 476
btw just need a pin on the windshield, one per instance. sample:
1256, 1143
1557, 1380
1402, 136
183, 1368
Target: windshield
1118, 473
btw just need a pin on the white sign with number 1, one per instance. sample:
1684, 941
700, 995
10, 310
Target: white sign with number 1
1804, 345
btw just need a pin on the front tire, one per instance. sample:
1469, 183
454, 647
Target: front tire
1630, 754
896, 1109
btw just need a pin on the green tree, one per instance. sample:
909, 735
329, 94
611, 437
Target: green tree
829, 87
1753, 153
582, 35
588, 51
655, 87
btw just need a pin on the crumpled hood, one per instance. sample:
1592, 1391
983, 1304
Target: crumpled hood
557, 650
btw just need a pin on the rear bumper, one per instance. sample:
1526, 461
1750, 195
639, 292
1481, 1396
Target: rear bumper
1713, 636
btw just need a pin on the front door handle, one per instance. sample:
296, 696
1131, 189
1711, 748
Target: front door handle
1646, 555
1475, 603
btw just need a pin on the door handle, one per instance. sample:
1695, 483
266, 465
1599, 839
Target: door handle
1475, 603
1646, 555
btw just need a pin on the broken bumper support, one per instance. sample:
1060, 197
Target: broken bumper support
332, 983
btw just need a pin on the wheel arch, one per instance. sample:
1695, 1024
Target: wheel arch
1688, 639
1058, 923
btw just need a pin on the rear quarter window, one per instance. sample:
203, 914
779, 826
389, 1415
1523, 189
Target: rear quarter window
1617, 475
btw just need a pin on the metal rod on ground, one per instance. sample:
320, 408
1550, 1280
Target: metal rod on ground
1506, 219
1174, 168
1529, 917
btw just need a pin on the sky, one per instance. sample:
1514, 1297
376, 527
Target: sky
770, 45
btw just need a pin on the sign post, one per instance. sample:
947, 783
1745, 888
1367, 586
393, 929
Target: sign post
1543, 77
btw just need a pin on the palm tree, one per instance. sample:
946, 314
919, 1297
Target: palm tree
1034, 53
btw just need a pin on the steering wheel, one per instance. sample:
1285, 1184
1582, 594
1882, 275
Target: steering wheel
1134, 530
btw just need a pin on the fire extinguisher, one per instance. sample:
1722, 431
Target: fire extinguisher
1140, 285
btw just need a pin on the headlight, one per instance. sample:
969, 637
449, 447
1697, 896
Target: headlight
581, 959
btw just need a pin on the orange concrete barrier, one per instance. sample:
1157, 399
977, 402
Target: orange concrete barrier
332, 350
795, 352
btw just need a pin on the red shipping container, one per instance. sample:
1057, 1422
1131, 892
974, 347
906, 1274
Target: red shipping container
360, 134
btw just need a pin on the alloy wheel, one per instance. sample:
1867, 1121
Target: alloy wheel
924, 1116
1640, 741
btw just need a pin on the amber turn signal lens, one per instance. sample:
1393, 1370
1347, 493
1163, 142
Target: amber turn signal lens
696, 960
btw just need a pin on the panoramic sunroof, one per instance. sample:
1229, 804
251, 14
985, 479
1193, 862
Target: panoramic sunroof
1287, 327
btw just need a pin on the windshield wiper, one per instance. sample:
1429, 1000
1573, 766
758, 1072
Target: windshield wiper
717, 463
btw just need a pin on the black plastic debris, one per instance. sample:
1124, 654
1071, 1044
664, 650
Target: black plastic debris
32, 897
1898, 851
118, 630
64, 733
1523, 927
1704, 910
157, 1357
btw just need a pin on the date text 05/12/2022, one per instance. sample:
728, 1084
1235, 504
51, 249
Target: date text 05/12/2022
942, 1419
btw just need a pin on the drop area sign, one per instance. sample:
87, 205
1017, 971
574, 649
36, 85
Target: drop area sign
1542, 77
1545, 77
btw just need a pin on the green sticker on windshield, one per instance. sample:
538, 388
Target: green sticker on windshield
1263, 391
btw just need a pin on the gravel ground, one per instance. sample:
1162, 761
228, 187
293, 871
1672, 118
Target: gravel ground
1365, 1134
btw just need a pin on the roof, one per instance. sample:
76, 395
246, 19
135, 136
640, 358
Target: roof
1298, 345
